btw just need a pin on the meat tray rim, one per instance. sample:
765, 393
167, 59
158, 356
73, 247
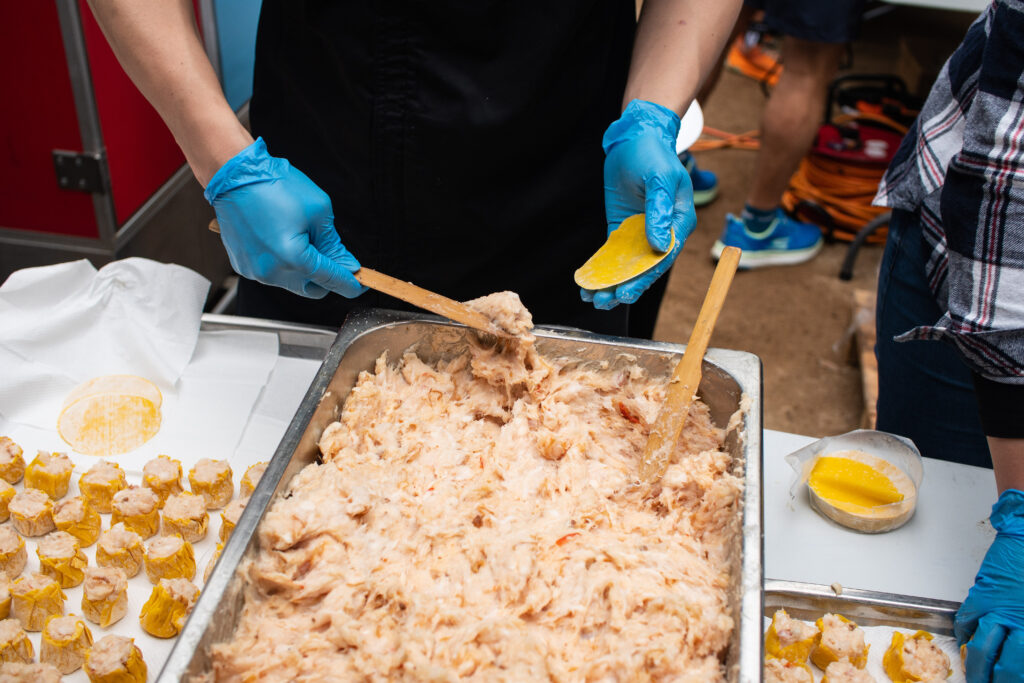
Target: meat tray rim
212, 620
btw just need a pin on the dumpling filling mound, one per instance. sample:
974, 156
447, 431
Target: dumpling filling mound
480, 519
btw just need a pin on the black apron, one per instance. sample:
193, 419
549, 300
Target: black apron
460, 142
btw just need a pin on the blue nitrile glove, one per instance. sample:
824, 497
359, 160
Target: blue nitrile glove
278, 226
642, 174
991, 620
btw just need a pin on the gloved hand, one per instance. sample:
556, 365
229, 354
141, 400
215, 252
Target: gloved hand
642, 174
278, 226
993, 612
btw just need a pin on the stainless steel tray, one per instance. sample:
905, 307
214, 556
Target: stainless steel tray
728, 377
808, 601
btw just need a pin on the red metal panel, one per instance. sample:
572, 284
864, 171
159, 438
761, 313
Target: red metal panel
141, 152
38, 115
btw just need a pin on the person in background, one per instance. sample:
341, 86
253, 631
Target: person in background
953, 272
815, 35
456, 145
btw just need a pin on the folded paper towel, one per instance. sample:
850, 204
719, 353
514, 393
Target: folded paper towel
133, 316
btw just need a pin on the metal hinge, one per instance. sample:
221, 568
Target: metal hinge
80, 171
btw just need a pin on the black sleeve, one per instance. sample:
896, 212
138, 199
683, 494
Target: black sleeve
1001, 407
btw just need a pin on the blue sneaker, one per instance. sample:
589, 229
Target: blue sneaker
784, 242
705, 183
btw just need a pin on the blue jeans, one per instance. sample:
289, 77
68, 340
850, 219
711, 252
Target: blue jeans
925, 390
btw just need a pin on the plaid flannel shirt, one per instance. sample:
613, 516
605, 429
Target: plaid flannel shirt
962, 166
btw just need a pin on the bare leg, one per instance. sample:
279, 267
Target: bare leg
792, 116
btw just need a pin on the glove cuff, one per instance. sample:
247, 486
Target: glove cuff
252, 165
640, 118
1008, 513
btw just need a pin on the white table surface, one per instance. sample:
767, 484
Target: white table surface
935, 555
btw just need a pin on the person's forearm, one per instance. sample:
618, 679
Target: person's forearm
158, 45
1008, 462
677, 45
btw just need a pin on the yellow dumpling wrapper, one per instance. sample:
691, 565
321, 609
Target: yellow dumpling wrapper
49, 473
893, 660
5, 597
12, 561
624, 255
6, 493
105, 424
34, 600
179, 565
12, 461
822, 655
65, 652
162, 486
183, 515
15, 645
145, 524
85, 526
852, 484
252, 476
213, 562
217, 489
99, 489
32, 512
127, 557
66, 571
164, 613
130, 669
105, 596
797, 651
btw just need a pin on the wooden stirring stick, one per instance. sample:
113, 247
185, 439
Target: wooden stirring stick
419, 297
686, 377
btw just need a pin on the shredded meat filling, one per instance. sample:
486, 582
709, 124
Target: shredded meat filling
480, 519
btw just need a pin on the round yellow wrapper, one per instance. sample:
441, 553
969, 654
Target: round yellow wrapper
625, 254
128, 385
105, 424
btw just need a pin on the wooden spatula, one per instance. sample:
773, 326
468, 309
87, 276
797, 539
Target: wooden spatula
686, 377
419, 297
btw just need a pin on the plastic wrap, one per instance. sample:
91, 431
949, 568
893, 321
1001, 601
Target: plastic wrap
895, 456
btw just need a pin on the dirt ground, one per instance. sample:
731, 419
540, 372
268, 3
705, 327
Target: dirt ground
797, 319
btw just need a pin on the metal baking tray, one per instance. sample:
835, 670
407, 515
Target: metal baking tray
808, 601
729, 377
